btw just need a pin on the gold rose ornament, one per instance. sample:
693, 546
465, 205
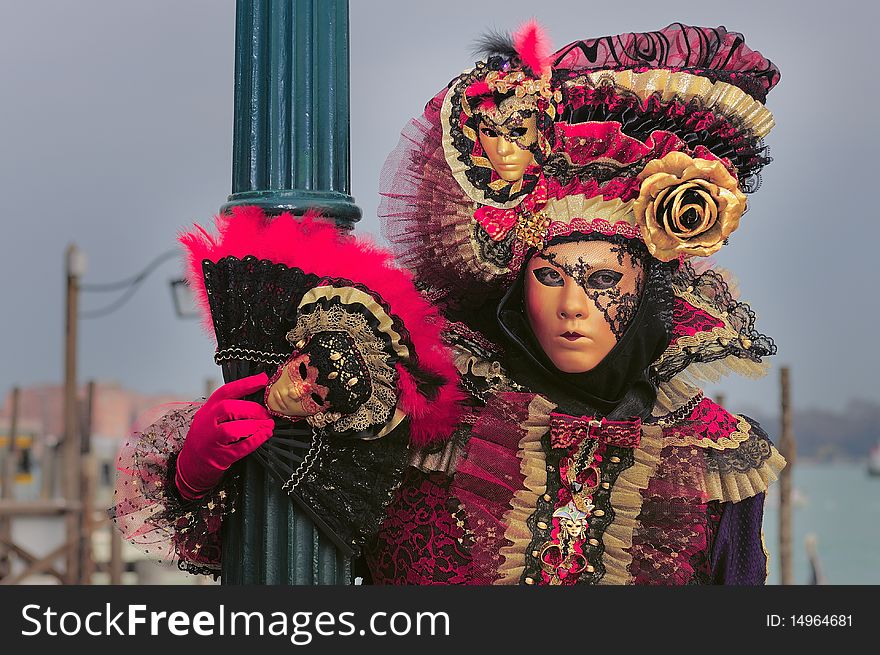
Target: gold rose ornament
687, 206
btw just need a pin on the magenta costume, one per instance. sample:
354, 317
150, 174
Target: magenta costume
447, 445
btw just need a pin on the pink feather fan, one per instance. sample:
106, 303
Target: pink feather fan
313, 244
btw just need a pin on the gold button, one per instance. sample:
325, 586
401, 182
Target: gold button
594, 542
615, 459
335, 356
542, 525
590, 568
598, 512
605, 485
547, 497
333, 375
535, 553
353, 381
530, 581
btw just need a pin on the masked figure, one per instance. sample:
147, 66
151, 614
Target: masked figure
531, 413
587, 453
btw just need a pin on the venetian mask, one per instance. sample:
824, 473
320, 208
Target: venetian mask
507, 140
294, 389
580, 297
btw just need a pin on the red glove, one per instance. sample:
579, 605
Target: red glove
223, 430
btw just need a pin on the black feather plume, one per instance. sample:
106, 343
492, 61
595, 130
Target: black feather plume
494, 43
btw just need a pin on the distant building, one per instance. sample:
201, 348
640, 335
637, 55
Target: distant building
116, 412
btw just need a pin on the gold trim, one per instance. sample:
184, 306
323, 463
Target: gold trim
698, 372
743, 431
396, 420
533, 466
766, 557
626, 501
699, 339
731, 101
736, 486
578, 206
350, 296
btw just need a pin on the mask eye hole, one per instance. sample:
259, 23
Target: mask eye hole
549, 277
604, 279
303, 371
317, 399
489, 132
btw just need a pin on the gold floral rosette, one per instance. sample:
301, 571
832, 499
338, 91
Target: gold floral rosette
687, 206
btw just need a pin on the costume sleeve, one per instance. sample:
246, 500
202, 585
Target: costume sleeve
149, 511
737, 480
738, 556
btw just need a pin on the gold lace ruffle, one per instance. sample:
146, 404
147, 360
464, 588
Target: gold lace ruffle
579, 206
626, 501
736, 486
733, 440
673, 395
728, 100
533, 466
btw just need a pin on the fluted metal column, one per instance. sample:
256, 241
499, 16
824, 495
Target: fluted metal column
291, 134
290, 152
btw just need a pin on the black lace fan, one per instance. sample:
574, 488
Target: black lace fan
342, 484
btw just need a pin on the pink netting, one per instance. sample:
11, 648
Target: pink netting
148, 510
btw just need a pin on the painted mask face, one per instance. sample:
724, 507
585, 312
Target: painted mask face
507, 142
580, 297
294, 389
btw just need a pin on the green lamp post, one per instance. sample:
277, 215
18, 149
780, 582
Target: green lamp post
290, 153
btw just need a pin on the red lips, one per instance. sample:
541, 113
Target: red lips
571, 336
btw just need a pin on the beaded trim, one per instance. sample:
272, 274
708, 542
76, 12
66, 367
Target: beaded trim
682, 413
305, 466
261, 356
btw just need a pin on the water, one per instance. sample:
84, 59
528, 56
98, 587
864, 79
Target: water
840, 505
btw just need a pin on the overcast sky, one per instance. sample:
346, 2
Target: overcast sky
116, 131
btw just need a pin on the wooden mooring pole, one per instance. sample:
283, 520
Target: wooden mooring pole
8, 485
787, 449
71, 446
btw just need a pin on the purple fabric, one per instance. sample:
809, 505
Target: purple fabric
738, 555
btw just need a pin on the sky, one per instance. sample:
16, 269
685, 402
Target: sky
116, 133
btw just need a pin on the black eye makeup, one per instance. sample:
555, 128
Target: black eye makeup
489, 132
549, 277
